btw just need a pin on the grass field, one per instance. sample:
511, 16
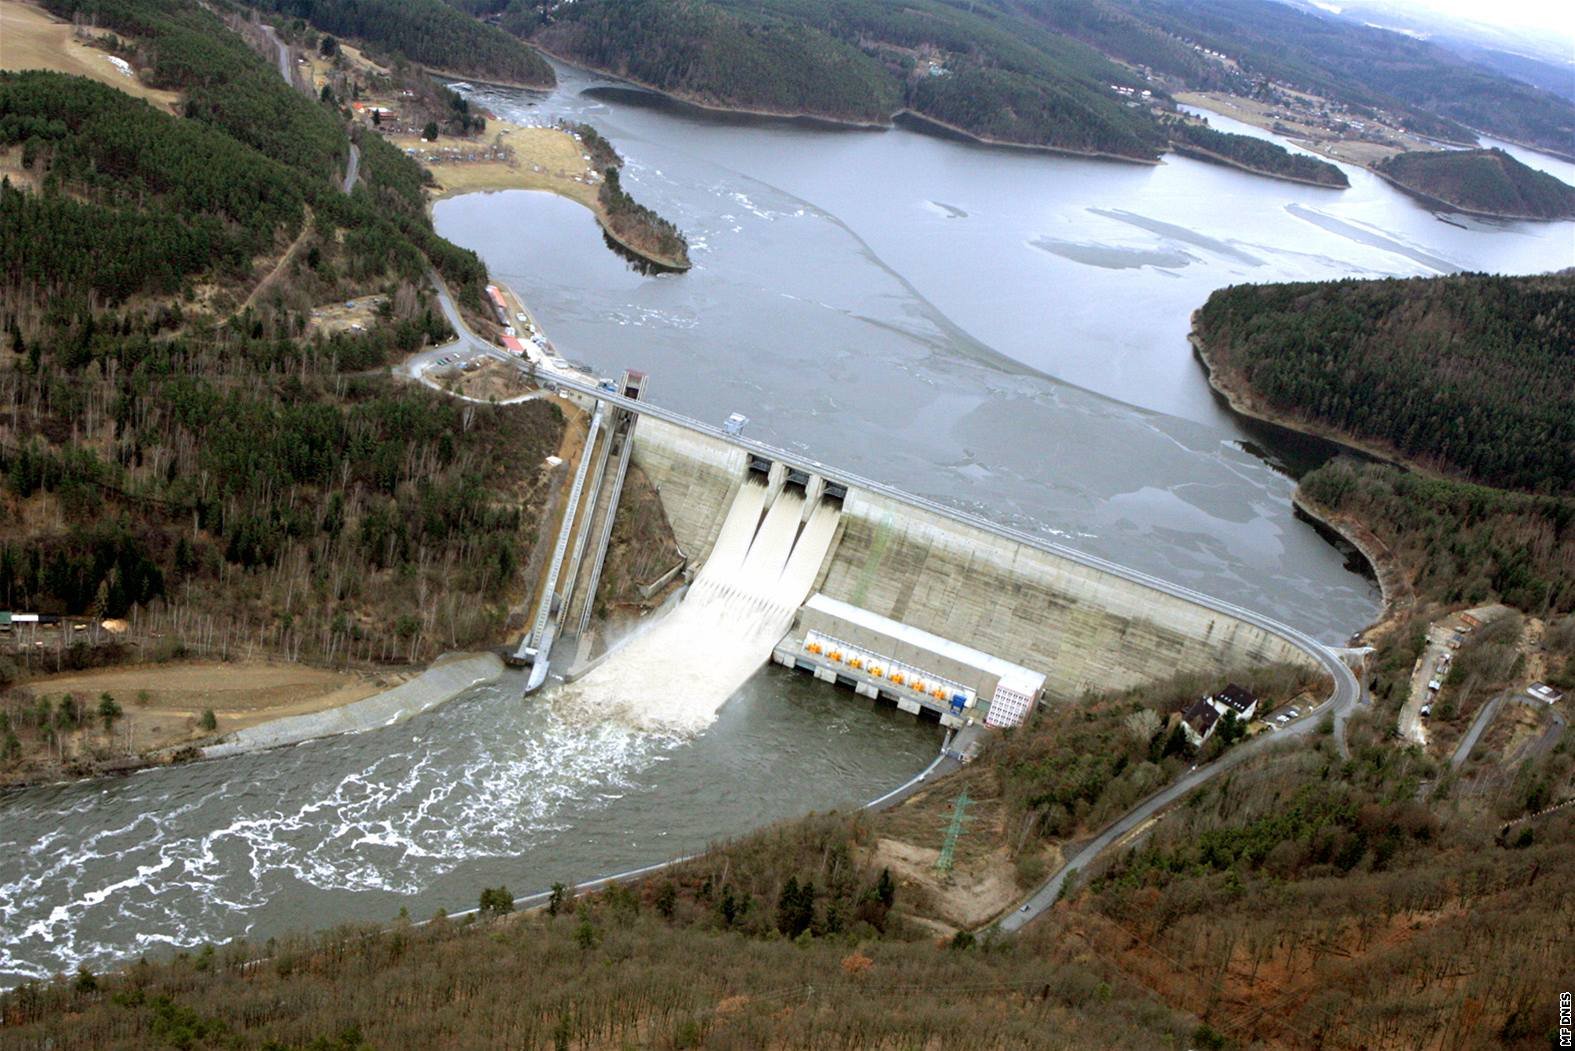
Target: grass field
545, 159
30, 38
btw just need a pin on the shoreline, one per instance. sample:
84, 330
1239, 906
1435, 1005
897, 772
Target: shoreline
492, 81
710, 107
1197, 153
1202, 100
593, 205
985, 140
443, 680
1243, 404
437, 684
1393, 587
839, 122
662, 264
1431, 201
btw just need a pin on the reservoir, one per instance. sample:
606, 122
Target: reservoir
999, 330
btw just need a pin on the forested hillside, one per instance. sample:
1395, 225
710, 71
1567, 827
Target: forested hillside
426, 31
1482, 182
1305, 901
1471, 375
1460, 543
1253, 154
185, 48
709, 55
173, 441
1437, 92
984, 71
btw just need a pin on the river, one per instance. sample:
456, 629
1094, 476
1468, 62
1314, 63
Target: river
997, 329
489, 789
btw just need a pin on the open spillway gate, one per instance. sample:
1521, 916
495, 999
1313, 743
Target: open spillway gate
775, 535
568, 593
987, 616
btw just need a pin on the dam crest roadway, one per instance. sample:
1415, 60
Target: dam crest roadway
983, 612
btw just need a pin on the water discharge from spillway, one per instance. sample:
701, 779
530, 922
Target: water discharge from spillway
676, 677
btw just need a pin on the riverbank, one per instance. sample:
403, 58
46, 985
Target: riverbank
544, 159
1433, 202
447, 678
849, 123
712, 107
1211, 157
163, 711
1360, 152
1241, 401
986, 140
1393, 584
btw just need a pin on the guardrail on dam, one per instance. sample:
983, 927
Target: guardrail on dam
1080, 621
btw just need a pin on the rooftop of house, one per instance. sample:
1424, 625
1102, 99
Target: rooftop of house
1201, 716
1237, 698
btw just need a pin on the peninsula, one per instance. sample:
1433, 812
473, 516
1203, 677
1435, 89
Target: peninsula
1488, 183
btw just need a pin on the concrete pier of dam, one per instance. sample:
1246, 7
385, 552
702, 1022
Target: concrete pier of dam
1078, 621
1079, 624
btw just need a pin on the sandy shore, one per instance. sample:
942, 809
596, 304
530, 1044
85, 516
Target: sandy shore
448, 677
162, 707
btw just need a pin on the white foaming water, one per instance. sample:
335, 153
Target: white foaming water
678, 675
130, 870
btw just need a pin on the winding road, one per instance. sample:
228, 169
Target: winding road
1340, 704
1485, 717
1049, 892
287, 71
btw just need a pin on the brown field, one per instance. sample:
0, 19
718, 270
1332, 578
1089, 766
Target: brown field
1318, 139
338, 317
162, 702
490, 379
30, 38
546, 159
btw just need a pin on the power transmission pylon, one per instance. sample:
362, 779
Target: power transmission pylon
943, 864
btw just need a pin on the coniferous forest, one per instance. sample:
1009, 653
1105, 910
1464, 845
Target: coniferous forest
1483, 182
1257, 155
175, 441
1472, 375
426, 31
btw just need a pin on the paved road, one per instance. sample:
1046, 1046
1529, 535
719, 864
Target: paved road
1478, 725
283, 54
1341, 702
1550, 737
1485, 719
353, 169
287, 71
1049, 892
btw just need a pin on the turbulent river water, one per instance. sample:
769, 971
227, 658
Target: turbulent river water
997, 329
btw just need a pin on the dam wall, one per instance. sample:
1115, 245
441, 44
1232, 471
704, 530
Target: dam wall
695, 475
1082, 626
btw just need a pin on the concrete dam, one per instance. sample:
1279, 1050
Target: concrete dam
946, 615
